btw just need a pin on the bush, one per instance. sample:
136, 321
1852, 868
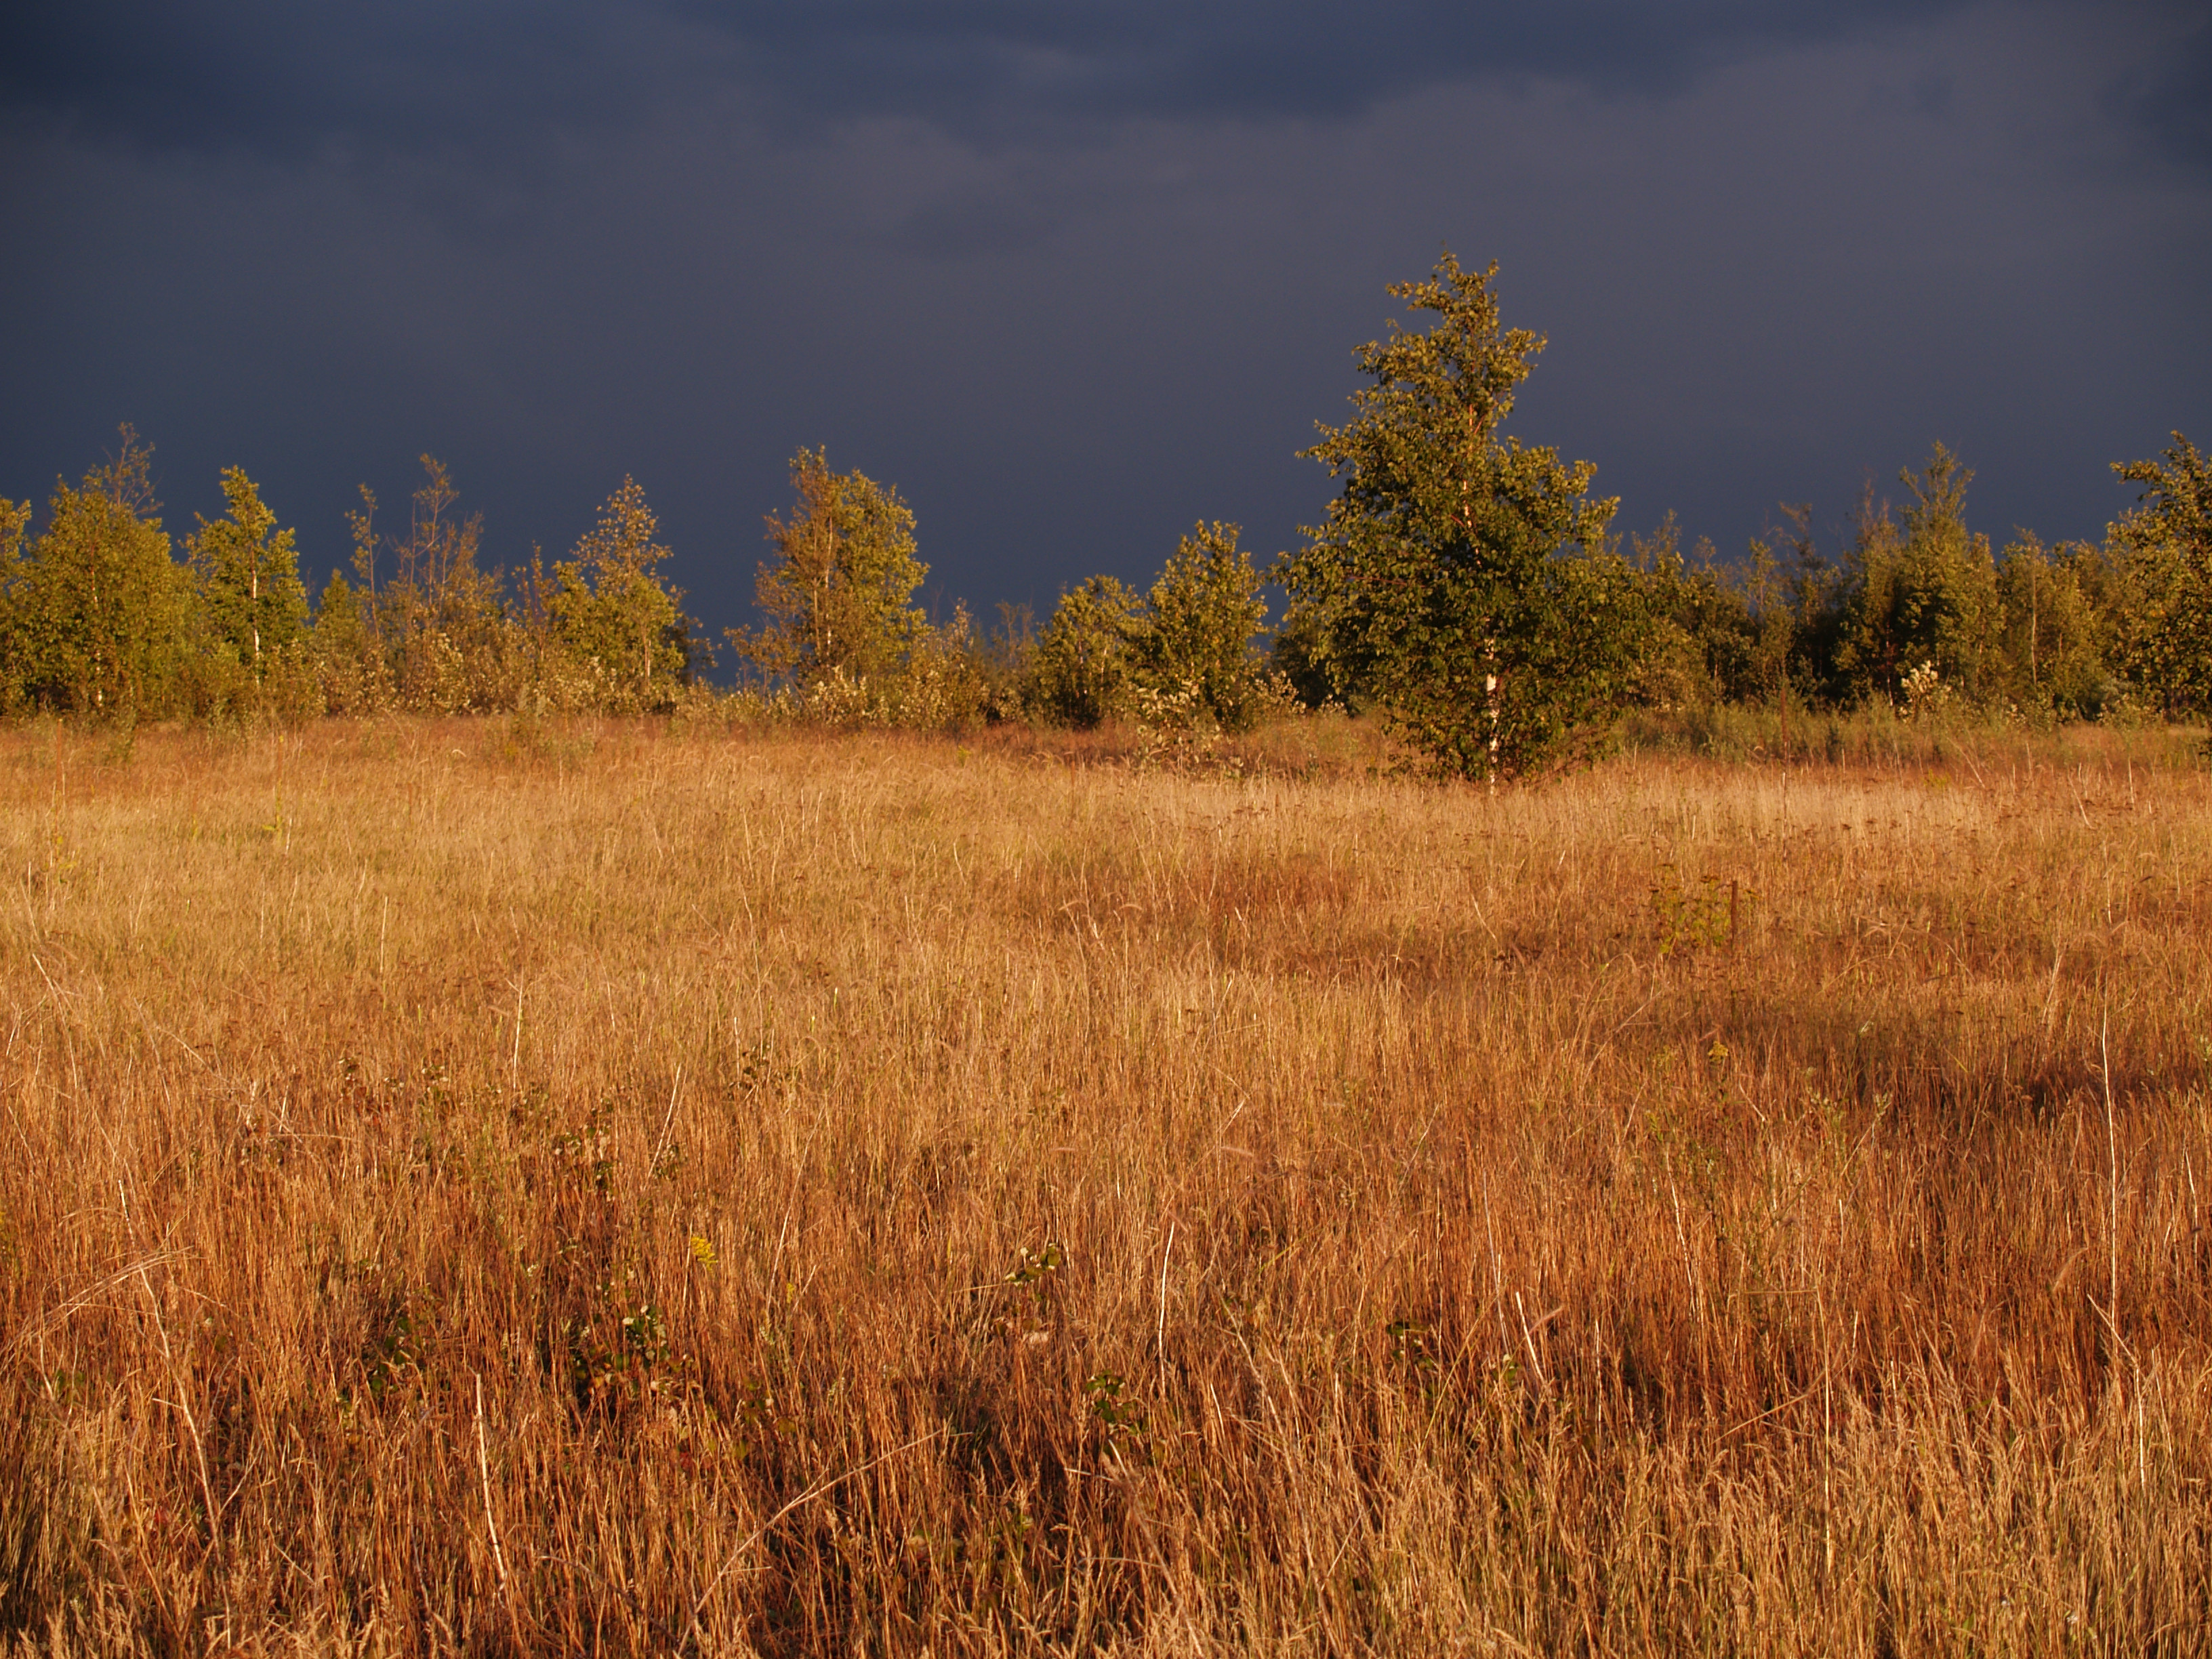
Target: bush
2163, 550
98, 613
1086, 661
1922, 593
838, 597
1194, 641
610, 613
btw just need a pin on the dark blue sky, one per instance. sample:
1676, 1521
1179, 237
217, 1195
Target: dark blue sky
1072, 275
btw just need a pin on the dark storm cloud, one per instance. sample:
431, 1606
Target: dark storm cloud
1072, 275
282, 79
2172, 102
1112, 59
415, 76
486, 81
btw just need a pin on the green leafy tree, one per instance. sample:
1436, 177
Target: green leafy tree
1801, 598
1437, 584
2049, 661
2163, 549
1003, 659
838, 597
610, 608
1086, 656
1198, 632
346, 638
943, 684
100, 607
1922, 593
1298, 659
251, 599
1702, 645
348, 658
15, 521
437, 620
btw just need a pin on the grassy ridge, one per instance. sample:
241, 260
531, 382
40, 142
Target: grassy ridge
480, 1187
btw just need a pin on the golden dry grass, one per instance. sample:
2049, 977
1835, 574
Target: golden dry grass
475, 1188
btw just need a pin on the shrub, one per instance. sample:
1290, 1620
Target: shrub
2164, 552
612, 615
97, 612
1085, 660
838, 597
1193, 640
1923, 591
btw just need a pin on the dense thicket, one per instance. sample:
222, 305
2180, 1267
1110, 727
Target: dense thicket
1916, 612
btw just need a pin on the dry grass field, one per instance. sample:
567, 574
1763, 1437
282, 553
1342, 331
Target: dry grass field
477, 1187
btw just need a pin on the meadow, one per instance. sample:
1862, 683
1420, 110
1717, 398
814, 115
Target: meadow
491, 1186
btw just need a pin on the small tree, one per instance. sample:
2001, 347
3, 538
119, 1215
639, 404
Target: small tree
2164, 549
2050, 658
837, 599
14, 519
1437, 584
1701, 647
1080, 670
437, 620
253, 601
610, 608
1922, 593
1198, 630
100, 607
348, 661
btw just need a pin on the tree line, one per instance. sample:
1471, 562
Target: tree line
1465, 588
1472, 589
100, 619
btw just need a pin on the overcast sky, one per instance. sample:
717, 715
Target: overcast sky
1073, 275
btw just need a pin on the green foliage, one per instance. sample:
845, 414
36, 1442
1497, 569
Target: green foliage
348, 658
437, 627
1803, 603
251, 599
1437, 584
1195, 640
15, 521
1463, 586
2051, 606
942, 683
97, 613
2163, 640
248, 629
1922, 596
1298, 659
842, 638
2177, 500
1001, 660
609, 611
1184, 658
1087, 655
423, 627
1703, 643
838, 597
946, 681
